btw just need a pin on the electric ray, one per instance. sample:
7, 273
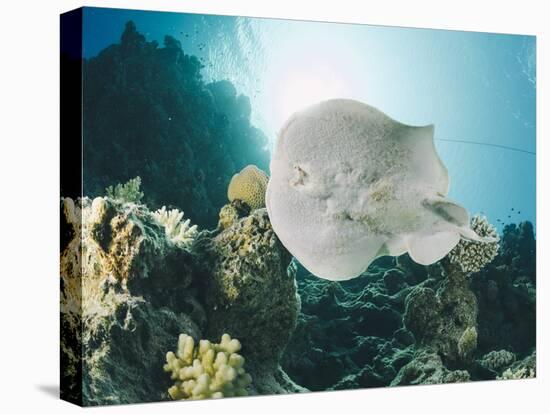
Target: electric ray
349, 184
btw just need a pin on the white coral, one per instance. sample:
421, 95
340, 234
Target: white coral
180, 233
473, 256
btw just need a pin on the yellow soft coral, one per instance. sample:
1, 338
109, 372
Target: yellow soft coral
249, 186
207, 371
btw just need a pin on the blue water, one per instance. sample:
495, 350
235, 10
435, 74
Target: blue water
474, 87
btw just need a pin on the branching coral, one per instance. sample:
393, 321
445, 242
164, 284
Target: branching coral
178, 232
207, 371
128, 192
473, 256
249, 186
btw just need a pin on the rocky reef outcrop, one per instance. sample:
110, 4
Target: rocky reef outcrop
129, 290
441, 315
250, 292
125, 296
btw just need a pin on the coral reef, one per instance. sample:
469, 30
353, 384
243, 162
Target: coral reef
128, 290
133, 290
178, 232
191, 138
207, 371
403, 323
248, 186
472, 256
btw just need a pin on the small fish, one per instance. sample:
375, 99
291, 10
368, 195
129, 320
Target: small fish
519, 212
509, 216
512, 208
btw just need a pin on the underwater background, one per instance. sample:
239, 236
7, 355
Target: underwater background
184, 102
474, 87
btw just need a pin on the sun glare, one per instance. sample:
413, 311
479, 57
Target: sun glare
300, 89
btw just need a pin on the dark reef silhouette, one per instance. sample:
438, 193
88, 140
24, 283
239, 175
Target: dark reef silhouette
149, 113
